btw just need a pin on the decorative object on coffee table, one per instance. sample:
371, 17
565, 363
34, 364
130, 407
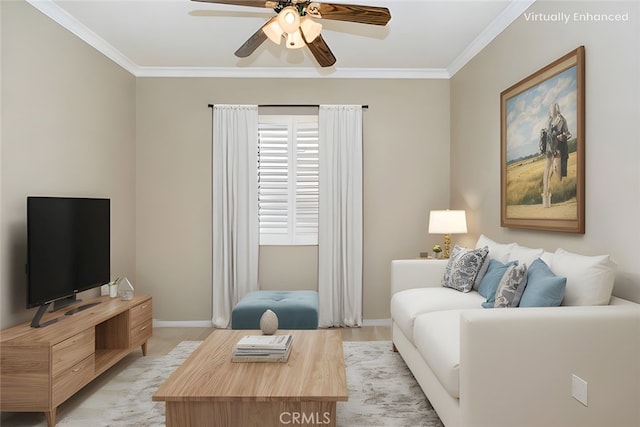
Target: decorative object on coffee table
262, 348
269, 322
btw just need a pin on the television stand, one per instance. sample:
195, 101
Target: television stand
41, 368
81, 308
35, 322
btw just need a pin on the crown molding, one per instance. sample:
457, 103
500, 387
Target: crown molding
62, 17
302, 73
499, 24
495, 27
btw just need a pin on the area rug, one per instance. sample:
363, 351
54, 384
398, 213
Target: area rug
382, 391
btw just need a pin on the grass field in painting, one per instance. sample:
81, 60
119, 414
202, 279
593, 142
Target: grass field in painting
524, 190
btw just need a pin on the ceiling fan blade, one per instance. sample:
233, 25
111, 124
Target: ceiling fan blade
349, 12
252, 43
253, 3
321, 51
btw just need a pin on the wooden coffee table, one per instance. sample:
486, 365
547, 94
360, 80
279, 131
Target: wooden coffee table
209, 390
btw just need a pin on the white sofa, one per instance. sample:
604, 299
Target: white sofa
514, 366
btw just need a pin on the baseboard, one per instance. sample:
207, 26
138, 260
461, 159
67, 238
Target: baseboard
376, 322
182, 323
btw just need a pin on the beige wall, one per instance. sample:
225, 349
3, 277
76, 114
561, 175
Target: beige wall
406, 169
68, 129
612, 131
73, 123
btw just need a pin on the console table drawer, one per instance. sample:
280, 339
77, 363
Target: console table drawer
140, 333
141, 313
72, 350
72, 380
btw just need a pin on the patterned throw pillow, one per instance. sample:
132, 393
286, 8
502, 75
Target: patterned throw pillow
491, 280
511, 286
463, 268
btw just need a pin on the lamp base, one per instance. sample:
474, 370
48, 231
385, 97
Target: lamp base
447, 246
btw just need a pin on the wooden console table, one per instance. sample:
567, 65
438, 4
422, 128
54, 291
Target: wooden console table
43, 367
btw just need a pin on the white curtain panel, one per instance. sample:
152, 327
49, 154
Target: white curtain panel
340, 220
235, 207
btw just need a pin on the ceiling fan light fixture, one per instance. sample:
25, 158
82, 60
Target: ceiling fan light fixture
295, 40
289, 19
310, 28
273, 31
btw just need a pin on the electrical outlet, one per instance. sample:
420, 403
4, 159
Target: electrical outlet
579, 389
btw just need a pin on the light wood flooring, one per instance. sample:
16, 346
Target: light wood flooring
165, 339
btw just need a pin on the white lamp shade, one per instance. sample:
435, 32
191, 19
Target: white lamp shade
289, 19
273, 30
310, 28
447, 222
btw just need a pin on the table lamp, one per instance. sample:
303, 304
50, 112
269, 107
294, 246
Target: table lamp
447, 222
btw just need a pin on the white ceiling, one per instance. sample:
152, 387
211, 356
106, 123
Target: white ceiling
424, 39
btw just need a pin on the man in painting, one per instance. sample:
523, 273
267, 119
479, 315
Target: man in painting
559, 131
553, 144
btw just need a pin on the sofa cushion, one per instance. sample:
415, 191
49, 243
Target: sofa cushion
589, 278
511, 286
464, 267
544, 289
525, 255
436, 336
547, 257
491, 279
499, 251
407, 305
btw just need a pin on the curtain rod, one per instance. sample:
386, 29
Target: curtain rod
290, 105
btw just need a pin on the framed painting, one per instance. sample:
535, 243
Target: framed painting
542, 148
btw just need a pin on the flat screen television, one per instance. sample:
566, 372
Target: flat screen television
68, 249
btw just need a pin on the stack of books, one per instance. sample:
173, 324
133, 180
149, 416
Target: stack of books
262, 348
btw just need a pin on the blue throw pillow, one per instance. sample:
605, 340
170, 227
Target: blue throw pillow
491, 280
544, 288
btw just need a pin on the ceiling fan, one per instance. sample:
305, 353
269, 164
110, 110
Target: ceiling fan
294, 23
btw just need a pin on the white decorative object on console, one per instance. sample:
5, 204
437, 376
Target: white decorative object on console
125, 289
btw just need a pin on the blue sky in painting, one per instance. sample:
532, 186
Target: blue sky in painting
528, 112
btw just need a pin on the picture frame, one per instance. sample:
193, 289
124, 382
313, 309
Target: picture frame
542, 137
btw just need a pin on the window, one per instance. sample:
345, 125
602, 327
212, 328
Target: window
288, 180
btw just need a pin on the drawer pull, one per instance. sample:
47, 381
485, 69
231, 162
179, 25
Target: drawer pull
75, 370
143, 307
143, 328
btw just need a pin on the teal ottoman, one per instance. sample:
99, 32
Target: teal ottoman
295, 309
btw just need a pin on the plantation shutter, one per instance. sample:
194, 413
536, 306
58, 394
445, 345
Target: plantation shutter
273, 182
307, 189
288, 180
